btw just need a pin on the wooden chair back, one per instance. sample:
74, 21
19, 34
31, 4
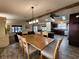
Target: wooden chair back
56, 51
45, 34
24, 45
24, 33
38, 33
20, 41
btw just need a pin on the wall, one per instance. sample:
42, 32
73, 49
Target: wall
67, 12
25, 26
4, 38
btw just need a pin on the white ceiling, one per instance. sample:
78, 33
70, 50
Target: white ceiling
21, 9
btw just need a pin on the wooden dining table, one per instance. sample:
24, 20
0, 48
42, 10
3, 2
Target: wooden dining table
38, 41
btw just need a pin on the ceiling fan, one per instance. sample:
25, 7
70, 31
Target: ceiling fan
52, 15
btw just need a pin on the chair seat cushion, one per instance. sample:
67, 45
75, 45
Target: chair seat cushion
49, 50
31, 49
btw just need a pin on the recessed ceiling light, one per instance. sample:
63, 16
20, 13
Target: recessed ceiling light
77, 16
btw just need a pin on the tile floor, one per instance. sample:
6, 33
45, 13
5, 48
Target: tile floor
66, 51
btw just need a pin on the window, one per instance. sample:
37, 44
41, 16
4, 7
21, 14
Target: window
62, 26
16, 28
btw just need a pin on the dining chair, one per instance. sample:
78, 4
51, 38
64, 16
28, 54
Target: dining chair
38, 33
45, 34
28, 49
31, 32
20, 41
24, 33
52, 51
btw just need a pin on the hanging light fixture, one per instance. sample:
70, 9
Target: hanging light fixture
31, 22
34, 21
32, 12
